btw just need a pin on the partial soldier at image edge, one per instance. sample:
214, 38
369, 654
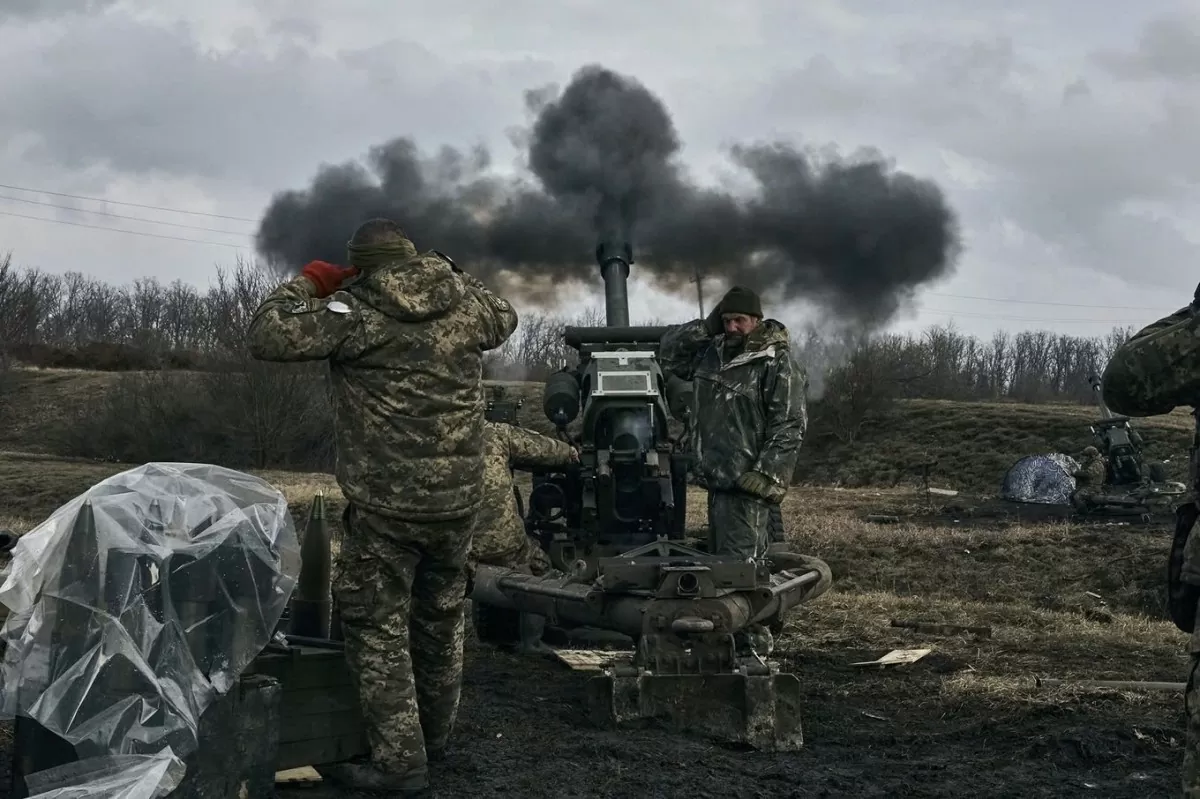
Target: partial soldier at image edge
1155, 372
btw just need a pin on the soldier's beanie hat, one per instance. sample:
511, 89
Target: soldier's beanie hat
740, 299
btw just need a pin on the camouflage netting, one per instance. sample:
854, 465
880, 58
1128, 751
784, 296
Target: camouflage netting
132, 608
1040, 480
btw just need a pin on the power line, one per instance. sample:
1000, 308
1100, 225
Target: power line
129, 204
121, 230
124, 216
1030, 318
1058, 304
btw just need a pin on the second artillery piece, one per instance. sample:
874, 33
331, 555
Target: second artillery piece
613, 526
1131, 483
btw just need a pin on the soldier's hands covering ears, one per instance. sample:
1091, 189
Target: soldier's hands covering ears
325, 277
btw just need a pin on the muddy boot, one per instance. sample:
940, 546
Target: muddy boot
368, 777
533, 627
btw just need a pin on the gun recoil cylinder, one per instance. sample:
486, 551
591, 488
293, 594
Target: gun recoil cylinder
560, 398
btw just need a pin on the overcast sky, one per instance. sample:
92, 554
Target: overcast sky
1066, 136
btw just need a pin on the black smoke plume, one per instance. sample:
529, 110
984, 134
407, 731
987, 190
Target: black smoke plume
851, 235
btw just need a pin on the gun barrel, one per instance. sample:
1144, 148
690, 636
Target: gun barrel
1104, 411
615, 261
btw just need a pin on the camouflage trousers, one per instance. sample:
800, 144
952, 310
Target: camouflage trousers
401, 589
1191, 753
775, 532
737, 524
508, 550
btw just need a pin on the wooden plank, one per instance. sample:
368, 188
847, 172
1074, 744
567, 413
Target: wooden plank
588, 659
297, 776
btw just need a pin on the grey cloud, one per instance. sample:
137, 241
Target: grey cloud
1067, 172
144, 99
1169, 47
42, 9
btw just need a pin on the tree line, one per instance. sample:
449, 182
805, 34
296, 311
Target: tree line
191, 391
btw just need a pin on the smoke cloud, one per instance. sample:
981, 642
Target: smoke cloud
850, 235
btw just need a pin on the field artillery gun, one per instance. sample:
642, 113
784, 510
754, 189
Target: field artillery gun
1131, 483
614, 528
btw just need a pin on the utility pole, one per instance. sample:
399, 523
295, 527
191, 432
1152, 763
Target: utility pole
699, 281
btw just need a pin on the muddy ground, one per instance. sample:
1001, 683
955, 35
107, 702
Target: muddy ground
523, 732
1070, 599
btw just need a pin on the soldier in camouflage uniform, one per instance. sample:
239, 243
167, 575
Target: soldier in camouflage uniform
749, 417
499, 538
1089, 479
404, 335
1153, 373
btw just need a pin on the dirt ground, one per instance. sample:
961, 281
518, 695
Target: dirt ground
1063, 598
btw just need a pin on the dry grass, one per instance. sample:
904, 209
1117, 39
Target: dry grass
1068, 601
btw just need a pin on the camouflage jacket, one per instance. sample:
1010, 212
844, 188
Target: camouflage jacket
405, 349
1091, 472
499, 529
749, 413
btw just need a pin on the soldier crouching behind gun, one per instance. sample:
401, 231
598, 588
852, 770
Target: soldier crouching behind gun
749, 415
404, 334
499, 538
1153, 373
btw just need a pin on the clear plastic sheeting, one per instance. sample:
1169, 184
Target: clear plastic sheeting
111, 777
134, 605
1041, 480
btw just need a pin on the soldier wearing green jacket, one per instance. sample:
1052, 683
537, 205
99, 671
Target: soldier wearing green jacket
749, 416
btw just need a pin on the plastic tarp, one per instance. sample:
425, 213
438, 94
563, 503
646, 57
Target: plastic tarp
134, 606
110, 777
1041, 480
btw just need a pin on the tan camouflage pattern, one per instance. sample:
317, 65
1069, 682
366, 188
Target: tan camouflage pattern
749, 413
499, 538
401, 590
1191, 751
1091, 472
405, 346
1089, 480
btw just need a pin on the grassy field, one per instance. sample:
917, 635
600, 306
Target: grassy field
971, 444
1065, 599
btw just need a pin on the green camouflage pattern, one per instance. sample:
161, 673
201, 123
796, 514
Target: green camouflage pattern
1158, 369
499, 538
1155, 372
401, 589
1091, 471
405, 346
737, 524
749, 414
1089, 479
